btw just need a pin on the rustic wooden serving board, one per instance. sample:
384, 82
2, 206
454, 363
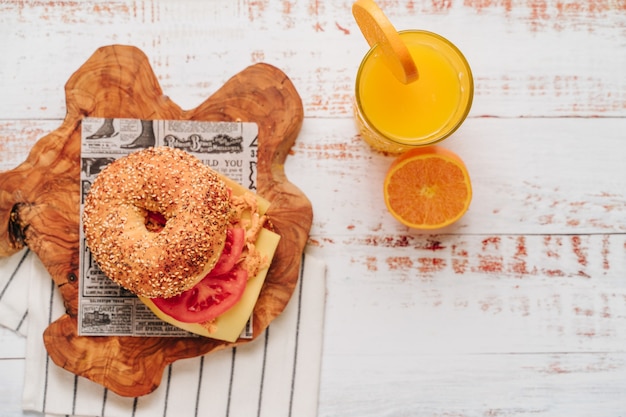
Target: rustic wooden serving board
39, 204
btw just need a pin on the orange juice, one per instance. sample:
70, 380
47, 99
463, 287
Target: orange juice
395, 117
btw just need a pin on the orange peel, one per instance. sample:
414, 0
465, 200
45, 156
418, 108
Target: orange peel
378, 30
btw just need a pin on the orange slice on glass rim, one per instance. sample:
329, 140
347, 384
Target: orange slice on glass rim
378, 30
427, 188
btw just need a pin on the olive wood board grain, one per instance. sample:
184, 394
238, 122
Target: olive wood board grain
39, 205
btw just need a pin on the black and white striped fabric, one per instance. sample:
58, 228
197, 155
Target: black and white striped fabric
276, 375
14, 291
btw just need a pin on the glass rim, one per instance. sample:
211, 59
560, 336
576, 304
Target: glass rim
438, 138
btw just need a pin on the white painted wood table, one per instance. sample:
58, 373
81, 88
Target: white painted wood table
519, 309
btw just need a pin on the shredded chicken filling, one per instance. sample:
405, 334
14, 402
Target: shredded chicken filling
245, 214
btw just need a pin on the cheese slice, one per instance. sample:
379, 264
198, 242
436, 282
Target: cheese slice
229, 325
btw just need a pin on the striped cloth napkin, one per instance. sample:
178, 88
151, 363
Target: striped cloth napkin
276, 375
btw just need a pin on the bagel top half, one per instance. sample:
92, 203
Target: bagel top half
192, 198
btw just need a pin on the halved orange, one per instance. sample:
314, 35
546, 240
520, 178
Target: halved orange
428, 188
378, 30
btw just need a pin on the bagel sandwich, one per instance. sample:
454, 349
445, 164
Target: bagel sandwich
192, 244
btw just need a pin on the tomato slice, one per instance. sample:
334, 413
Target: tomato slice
212, 296
235, 240
218, 291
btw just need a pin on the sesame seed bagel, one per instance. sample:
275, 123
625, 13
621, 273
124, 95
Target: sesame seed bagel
190, 196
